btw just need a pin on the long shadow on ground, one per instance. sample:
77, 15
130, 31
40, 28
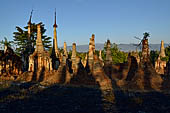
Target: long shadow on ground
57, 99
74, 99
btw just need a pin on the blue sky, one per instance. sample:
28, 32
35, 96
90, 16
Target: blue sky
118, 20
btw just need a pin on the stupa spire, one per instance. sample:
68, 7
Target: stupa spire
55, 23
29, 22
39, 44
55, 46
162, 49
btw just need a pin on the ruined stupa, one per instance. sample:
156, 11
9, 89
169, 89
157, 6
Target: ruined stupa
40, 58
73, 59
55, 52
91, 52
108, 52
160, 64
145, 50
10, 63
29, 47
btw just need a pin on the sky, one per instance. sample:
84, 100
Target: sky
117, 20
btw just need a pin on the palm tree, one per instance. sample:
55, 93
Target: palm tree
5, 42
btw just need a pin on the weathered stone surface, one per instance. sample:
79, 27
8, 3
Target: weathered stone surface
26, 76
162, 49
61, 76
100, 55
92, 42
55, 55
40, 59
65, 50
91, 53
10, 63
145, 50
132, 68
68, 76
108, 62
52, 78
108, 52
39, 44
146, 78
100, 77
90, 58
160, 64
136, 55
73, 59
55, 46
82, 76
137, 82
7, 78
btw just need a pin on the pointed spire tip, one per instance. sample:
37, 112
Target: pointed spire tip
55, 23
30, 17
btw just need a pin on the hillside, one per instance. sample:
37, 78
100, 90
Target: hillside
123, 47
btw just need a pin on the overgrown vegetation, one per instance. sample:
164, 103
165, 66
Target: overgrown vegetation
117, 55
21, 41
154, 56
5, 42
21, 37
167, 52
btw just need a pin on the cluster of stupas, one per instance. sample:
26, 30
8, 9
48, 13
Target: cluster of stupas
57, 67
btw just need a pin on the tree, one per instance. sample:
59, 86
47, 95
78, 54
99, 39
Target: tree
167, 51
117, 55
82, 55
21, 37
5, 42
146, 35
154, 56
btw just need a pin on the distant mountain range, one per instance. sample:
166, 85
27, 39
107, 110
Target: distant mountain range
122, 47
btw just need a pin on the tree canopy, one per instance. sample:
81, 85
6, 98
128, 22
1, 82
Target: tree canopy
21, 37
154, 56
117, 55
167, 51
5, 42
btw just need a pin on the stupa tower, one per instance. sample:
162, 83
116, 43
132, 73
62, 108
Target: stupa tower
29, 32
162, 50
39, 44
29, 26
55, 37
